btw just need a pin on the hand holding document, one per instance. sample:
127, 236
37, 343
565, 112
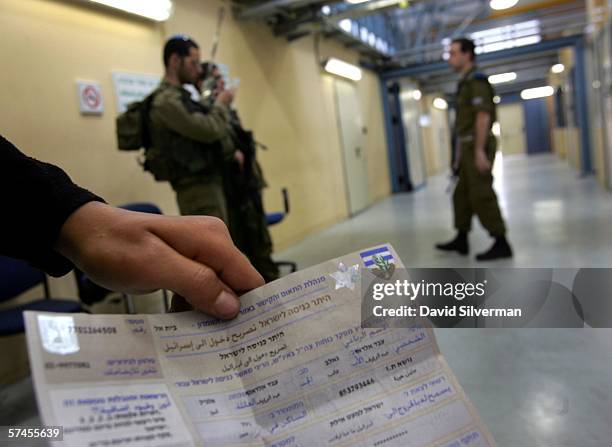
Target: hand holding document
295, 368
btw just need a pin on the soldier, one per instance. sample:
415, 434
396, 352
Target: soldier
243, 184
474, 157
186, 136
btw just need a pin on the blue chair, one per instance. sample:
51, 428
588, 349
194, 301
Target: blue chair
16, 277
276, 218
151, 208
142, 207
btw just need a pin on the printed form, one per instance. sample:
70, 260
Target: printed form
295, 368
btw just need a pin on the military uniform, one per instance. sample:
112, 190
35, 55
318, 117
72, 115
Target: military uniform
243, 189
187, 151
193, 146
474, 192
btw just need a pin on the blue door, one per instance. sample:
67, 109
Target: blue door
537, 126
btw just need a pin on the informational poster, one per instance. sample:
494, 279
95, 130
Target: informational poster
131, 87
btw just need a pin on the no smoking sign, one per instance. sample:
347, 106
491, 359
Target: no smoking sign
90, 97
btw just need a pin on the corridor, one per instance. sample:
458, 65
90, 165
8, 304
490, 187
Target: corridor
531, 386
555, 219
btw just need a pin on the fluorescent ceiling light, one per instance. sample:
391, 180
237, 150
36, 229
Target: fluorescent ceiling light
425, 121
346, 25
409, 95
502, 78
558, 68
363, 33
440, 104
508, 36
326, 10
371, 39
515, 30
538, 92
355, 2
158, 10
496, 129
381, 45
344, 69
529, 40
489, 48
496, 99
498, 5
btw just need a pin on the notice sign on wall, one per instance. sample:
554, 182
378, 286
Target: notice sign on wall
90, 97
131, 87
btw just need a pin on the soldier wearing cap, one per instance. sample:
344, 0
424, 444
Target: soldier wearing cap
187, 135
474, 156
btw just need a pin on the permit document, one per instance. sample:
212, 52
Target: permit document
295, 368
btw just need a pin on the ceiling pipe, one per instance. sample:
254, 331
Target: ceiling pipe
367, 8
273, 7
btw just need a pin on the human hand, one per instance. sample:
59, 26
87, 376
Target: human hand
225, 97
483, 165
239, 158
139, 253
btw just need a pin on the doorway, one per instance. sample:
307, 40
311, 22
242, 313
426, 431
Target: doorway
512, 125
538, 126
351, 129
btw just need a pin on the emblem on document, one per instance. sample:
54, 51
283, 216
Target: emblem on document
57, 334
379, 261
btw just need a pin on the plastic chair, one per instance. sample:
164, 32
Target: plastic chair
151, 208
16, 277
142, 207
276, 218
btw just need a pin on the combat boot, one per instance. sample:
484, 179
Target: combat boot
459, 244
499, 250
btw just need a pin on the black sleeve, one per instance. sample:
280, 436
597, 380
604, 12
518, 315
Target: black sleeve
36, 199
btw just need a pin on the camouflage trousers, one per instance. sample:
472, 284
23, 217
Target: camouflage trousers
474, 194
249, 229
202, 199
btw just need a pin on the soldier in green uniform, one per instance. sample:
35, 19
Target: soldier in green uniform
474, 156
186, 136
243, 183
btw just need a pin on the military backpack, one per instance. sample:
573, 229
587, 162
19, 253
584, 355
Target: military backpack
133, 134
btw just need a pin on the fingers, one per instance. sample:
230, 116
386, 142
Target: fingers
206, 241
192, 256
199, 285
226, 97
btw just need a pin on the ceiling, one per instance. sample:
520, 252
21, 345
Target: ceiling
401, 33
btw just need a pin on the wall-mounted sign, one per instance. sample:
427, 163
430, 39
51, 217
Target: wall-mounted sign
90, 97
131, 87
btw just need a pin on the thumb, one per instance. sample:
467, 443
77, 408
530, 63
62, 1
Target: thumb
200, 286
